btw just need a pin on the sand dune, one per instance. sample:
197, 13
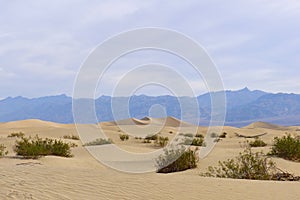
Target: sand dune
266, 126
168, 121
83, 177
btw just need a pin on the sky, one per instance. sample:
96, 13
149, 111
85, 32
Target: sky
43, 44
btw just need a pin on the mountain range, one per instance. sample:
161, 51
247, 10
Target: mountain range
243, 107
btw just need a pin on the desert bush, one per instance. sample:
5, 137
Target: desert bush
146, 141
37, 147
198, 142
99, 141
189, 135
194, 141
248, 165
162, 141
151, 137
223, 135
18, 135
176, 160
2, 150
257, 143
171, 132
214, 135
71, 137
198, 135
286, 147
124, 137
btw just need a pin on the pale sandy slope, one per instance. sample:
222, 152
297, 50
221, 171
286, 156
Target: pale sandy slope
82, 177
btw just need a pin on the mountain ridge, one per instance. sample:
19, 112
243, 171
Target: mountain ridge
243, 107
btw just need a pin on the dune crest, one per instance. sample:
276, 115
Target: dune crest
266, 126
31, 123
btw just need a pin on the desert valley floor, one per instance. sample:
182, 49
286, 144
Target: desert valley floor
83, 177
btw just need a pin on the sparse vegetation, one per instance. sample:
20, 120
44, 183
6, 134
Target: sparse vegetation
198, 135
198, 142
189, 135
248, 165
171, 132
286, 147
147, 141
18, 135
257, 143
223, 135
71, 137
194, 141
176, 160
37, 147
162, 141
124, 137
99, 141
151, 137
2, 150
214, 135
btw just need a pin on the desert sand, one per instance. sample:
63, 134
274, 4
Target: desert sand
83, 177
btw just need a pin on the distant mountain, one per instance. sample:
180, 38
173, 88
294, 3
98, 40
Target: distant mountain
243, 107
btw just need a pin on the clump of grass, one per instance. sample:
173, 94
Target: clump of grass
162, 141
257, 143
37, 147
99, 141
286, 147
71, 137
18, 135
124, 137
2, 150
176, 160
248, 165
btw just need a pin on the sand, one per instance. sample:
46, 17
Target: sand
83, 177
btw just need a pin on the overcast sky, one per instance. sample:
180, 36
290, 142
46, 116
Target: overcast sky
254, 43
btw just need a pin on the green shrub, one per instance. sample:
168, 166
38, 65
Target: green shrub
37, 147
2, 150
99, 141
286, 147
124, 137
18, 135
71, 137
248, 165
162, 141
176, 160
151, 137
257, 143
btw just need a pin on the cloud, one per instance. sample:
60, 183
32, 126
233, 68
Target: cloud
43, 44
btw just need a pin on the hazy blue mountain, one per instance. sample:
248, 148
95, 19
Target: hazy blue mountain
243, 107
